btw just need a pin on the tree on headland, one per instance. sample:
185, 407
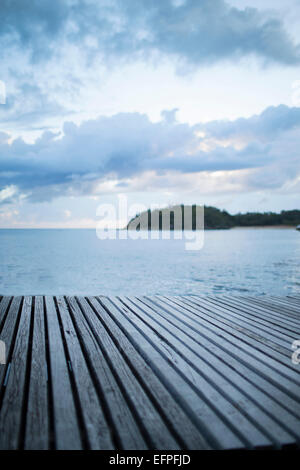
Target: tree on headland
215, 218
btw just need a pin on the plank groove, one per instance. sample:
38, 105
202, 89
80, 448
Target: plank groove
126, 429
37, 419
181, 372
243, 413
65, 416
167, 406
12, 404
155, 430
97, 429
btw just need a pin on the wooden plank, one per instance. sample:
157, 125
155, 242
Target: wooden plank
183, 372
267, 315
267, 347
167, 407
274, 339
180, 379
283, 306
275, 309
12, 405
273, 305
269, 312
288, 310
288, 301
67, 433
268, 414
294, 298
127, 431
270, 360
4, 304
247, 311
278, 341
7, 334
155, 429
37, 418
287, 304
258, 341
97, 428
252, 407
249, 367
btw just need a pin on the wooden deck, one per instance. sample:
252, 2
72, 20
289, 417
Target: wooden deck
149, 373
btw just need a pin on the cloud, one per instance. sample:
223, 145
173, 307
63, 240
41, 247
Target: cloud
263, 127
191, 31
7, 194
33, 25
28, 106
107, 153
52, 51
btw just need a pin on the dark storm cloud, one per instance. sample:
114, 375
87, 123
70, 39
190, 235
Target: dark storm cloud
194, 32
129, 144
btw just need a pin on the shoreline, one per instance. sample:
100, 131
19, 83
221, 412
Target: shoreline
292, 227
283, 227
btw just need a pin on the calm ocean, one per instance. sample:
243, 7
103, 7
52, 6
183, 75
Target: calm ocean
238, 261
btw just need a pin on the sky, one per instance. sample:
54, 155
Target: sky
161, 102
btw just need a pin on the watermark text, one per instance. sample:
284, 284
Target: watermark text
2, 353
177, 222
2, 92
296, 353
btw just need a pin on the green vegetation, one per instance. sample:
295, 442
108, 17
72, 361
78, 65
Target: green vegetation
268, 218
215, 219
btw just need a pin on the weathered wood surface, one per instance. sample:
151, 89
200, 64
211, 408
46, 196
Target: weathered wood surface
183, 372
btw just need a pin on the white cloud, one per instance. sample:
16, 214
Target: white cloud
106, 154
8, 193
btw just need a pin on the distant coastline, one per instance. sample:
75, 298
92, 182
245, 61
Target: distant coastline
214, 219
282, 227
